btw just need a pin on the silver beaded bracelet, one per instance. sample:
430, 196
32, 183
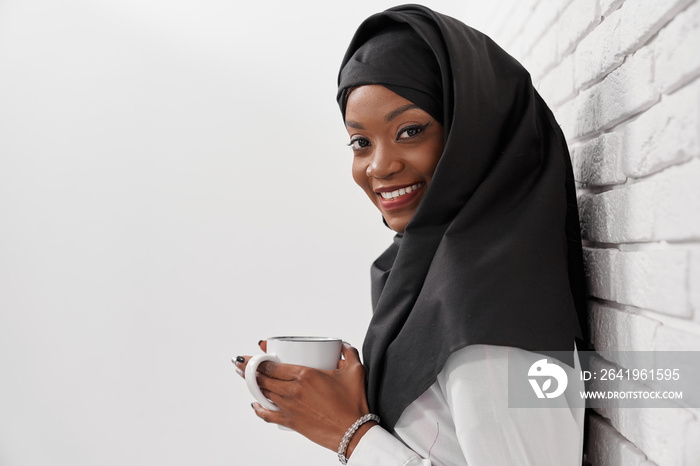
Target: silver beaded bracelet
349, 434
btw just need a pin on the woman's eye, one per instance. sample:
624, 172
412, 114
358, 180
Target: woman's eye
358, 143
411, 131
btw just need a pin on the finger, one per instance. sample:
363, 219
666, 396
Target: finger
350, 354
263, 345
276, 398
240, 362
280, 371
282, 393
274, 388
273, 417
289, 389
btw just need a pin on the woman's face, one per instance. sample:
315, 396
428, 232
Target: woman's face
396, 148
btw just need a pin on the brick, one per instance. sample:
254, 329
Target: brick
621, 33
620, 215
620, 330
513, 23
672, 339
627, 90
662, 434
577, 20
659, 352
597, 162
676, 50
692, 447
558, 84
684, 341
654, 280
664, 207
599, 52
543, 55
485, 19
498, 17
606, 447
642, 19
676, 207
598, 266
540, 20
694, 283
608, 6
667, 133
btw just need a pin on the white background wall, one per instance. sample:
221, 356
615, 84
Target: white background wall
174, 186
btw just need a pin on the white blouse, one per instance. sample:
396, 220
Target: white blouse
464, 419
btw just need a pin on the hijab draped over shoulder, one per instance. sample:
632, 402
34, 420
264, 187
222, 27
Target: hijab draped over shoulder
493, 252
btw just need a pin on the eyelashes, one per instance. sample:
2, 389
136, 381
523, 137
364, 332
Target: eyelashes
358, 143
411, 131
407, 132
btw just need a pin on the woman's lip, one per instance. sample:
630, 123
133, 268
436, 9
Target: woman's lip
388, 189
401, 201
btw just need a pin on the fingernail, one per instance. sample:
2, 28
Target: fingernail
252, 405
260, 342
240, 359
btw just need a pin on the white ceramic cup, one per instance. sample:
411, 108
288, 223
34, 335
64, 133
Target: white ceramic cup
316, 352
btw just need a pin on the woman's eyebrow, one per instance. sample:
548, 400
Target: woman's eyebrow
394, 113
353, 124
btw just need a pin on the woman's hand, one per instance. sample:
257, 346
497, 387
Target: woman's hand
321, 405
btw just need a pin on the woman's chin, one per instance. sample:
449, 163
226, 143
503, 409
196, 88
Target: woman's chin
397, 217
397, 222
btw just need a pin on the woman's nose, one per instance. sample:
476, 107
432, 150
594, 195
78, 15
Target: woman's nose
384, 164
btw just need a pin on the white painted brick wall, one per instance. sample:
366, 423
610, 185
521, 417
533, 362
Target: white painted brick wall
666, 134
610, 448
622, 32
694, 280
660, 208
666, 436
608, 6
599, 52
598, 161
577, 20
558, 85
651, 279
623, 79
625, 91
676, 49
622, 330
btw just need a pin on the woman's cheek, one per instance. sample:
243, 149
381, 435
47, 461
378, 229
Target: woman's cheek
359, 174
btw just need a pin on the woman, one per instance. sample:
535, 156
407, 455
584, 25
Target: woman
465, 162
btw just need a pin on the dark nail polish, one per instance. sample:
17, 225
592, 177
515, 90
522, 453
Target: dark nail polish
252, 405
240, 359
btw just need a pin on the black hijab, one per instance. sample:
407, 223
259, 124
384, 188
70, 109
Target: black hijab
493, 253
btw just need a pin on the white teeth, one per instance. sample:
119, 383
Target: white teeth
402, 191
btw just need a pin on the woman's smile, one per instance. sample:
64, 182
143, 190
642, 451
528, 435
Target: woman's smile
396, 146
398, 197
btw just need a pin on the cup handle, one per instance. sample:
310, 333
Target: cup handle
251, 379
